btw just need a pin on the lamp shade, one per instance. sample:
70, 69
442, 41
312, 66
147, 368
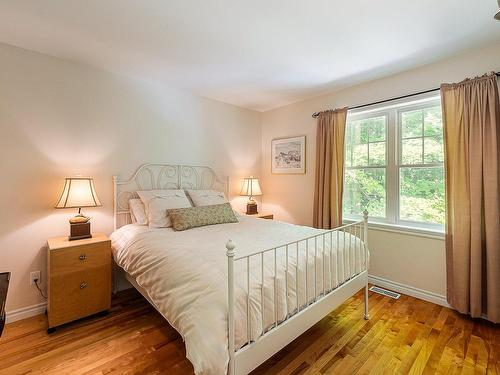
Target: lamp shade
251, 187
78, 192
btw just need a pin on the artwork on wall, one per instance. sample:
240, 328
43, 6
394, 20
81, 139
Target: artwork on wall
288, 155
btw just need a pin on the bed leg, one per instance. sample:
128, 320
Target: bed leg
366, 302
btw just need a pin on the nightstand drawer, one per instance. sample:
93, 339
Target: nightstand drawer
80, 257
79, 294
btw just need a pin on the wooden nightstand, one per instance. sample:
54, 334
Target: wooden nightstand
263, 215
78, 278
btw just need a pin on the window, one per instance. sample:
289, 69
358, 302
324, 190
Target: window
365, 176
394, 165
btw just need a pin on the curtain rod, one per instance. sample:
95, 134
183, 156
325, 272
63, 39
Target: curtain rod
316, 114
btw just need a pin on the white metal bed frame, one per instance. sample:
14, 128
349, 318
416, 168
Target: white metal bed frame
154, 176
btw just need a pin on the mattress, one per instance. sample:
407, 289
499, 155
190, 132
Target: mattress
184, 275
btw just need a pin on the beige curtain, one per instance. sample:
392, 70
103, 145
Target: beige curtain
328, 187
471, 113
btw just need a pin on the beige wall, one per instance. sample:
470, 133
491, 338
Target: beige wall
58, 119
415, 261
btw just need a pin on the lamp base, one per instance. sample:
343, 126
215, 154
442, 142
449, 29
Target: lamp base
79, 231
251, 208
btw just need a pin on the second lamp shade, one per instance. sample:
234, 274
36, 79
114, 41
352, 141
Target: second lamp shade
251, 187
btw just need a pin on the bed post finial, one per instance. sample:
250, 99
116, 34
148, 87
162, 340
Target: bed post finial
230, 246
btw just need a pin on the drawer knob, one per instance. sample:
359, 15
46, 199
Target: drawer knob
82, 257
83, 285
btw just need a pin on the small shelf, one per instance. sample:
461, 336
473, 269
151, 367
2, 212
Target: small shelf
261, 215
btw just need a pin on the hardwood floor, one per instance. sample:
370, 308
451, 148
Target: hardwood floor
406, 336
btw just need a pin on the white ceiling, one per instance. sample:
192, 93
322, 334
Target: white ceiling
258, 54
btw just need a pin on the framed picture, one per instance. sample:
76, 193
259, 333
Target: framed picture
288, 155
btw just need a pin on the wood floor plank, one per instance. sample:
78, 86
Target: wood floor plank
405, 336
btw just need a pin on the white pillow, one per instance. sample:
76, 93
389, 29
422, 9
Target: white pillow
206, 197
137, 211
157, 202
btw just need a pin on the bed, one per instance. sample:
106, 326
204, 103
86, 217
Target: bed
237, 292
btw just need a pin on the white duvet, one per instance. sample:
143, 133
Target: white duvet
185, 275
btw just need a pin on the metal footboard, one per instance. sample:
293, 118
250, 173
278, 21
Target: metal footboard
334, 284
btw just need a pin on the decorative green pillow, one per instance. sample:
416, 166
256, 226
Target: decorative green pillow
192, 217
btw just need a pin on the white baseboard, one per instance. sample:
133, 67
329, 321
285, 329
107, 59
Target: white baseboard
29, 311
25, 312
409, 290
33, 310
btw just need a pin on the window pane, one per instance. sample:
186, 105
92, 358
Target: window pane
433, 125
359, 132
411, 152
365, 189
377, 153
433, 150
377, 129
411, 124
422, 194
360, 155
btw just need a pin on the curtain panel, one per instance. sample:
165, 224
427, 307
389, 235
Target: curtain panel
471, 114
328, 187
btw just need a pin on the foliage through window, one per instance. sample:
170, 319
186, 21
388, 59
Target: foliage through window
394, 165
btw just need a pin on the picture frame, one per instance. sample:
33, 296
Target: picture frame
288, 155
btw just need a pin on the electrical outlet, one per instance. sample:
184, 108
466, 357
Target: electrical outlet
35, 275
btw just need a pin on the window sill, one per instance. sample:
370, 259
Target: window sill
402, 229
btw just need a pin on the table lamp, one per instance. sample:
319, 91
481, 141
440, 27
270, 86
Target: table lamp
79, 192
251, 188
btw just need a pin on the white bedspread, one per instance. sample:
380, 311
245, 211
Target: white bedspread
185, 275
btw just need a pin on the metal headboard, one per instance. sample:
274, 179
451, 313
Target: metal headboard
153, 176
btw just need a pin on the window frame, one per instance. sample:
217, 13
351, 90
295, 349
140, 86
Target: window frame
393, 164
